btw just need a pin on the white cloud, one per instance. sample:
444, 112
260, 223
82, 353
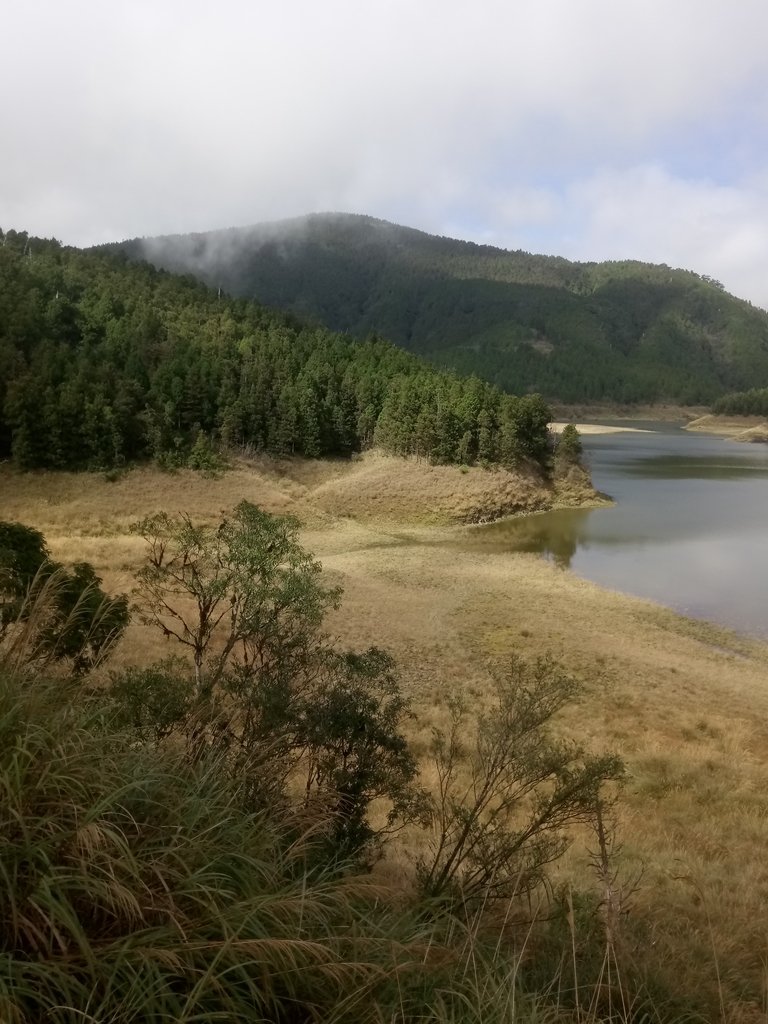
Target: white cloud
646, 213
171, 116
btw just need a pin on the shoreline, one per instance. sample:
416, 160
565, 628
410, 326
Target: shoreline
557, 427
663, 413
750, 429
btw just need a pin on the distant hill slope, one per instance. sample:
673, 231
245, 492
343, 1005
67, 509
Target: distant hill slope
622, 331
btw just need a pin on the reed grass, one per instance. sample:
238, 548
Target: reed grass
136, 886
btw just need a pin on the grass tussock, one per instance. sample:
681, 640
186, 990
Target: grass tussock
136, 887
381, 488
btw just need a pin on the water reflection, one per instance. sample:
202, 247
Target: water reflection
700, 467
555, 535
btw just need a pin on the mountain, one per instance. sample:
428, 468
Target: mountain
104, 362
616, 331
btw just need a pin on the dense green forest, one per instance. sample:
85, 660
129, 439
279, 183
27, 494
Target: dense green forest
103, 362
617, 331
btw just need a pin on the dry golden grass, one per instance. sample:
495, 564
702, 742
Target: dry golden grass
381, 489
685, 703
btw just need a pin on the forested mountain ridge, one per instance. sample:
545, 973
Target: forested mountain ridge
622, 331
104, 361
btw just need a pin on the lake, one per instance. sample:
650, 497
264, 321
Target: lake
688, 529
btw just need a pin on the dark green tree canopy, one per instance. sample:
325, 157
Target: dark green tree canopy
620, 331
103, 363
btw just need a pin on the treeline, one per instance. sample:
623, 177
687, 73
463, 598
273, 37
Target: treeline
621, 331
743, 403
103, 362
462, 420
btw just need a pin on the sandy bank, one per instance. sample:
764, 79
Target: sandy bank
598, 428
737, 428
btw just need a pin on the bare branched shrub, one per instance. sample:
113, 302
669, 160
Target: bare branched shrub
507, 790
271, 696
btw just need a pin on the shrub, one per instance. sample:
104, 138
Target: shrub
51, 613
244, 594
568, 449
506, 797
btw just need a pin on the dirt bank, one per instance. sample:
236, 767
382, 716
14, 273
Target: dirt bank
597, 428
737, 428
369, 488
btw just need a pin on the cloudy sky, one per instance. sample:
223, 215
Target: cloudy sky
593, 129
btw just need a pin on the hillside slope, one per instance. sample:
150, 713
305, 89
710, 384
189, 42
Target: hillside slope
618, 331
103, 362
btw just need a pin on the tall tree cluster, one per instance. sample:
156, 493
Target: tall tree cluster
103, 362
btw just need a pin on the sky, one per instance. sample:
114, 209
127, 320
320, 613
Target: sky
591, 129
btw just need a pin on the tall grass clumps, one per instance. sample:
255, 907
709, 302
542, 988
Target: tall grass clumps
134, 887
197, 840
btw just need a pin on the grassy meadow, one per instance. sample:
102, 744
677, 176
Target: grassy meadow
684, 703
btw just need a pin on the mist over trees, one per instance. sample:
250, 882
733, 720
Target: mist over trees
103, 362
620, 331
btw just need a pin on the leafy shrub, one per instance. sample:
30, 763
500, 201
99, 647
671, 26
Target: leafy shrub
51, 613
568, 449
153, 702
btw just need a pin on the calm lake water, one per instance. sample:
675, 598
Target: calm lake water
688, 529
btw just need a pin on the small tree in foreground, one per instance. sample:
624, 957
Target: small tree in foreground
506, 796
242, 595
270, 695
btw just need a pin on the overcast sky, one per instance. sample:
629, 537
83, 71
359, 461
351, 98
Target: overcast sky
592, 129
